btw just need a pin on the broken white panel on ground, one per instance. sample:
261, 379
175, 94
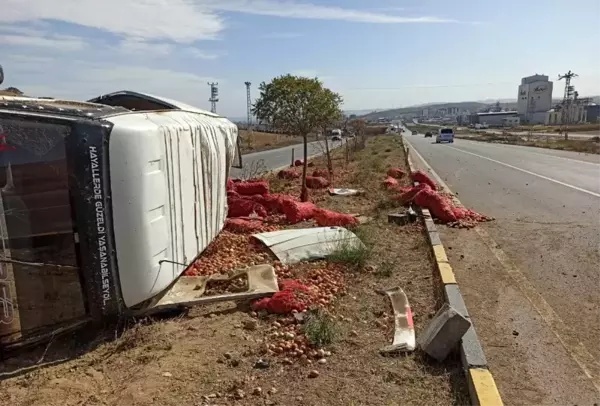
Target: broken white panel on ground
404, 329
189, 290
306, 244
345, 192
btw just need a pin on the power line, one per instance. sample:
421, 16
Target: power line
567, 103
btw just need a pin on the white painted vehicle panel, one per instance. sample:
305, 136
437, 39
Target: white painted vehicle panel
168, 181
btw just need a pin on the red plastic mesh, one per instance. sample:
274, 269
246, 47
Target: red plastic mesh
421, 177
328, 218
440, 206
390, 183
313, 182
258, 187
396, 173
296, 212
292, 295
244, 207
288, 174
298, 162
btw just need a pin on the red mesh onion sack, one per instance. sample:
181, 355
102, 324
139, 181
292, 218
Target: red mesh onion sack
407, 196
313, 182
273, 202
230, 184
296, 212
288, 174
440, 206
328, 218
421, 177
244, 208
298, 162
320, 173
395, 173
232, 193
252, 188
293, 295
390, 182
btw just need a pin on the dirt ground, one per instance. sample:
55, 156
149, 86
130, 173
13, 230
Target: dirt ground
259, 141
223, 354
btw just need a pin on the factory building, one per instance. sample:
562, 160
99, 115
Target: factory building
534, 99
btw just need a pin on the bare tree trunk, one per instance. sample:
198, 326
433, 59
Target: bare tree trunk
304, 193
329, 162
347, 152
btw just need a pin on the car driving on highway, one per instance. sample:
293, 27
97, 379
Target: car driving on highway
445, 134
428, 134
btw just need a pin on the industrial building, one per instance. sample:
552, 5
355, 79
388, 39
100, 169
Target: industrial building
498, 119
593, 113
534, 99
577, 113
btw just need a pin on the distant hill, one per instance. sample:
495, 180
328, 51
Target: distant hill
473, 106
11, 91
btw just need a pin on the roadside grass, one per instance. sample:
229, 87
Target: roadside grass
320, 328
591, 146
397, 256
352, 254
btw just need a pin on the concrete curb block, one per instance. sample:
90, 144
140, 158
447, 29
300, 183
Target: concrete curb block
482, 387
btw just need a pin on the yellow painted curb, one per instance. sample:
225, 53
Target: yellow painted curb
446, 273
440, 254
485, 392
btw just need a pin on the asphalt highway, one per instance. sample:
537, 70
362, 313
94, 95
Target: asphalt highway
280, 157
536, 292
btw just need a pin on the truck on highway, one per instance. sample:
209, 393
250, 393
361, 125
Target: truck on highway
103, 205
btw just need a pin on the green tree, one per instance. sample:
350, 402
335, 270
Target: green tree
297, 105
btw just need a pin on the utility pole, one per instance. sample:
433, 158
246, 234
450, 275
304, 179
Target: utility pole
214, 96
248, 106
567, 101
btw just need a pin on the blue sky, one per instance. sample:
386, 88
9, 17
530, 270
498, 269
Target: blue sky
376, 54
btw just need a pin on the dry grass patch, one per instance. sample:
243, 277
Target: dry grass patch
258, 141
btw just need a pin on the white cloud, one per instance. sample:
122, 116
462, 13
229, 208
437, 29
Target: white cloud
180, 21
82, 79
292, 9
177, 20
55, 42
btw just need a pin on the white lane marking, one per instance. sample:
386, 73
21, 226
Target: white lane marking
589, 192
520, 148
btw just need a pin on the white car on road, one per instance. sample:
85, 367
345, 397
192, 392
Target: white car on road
445, 134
